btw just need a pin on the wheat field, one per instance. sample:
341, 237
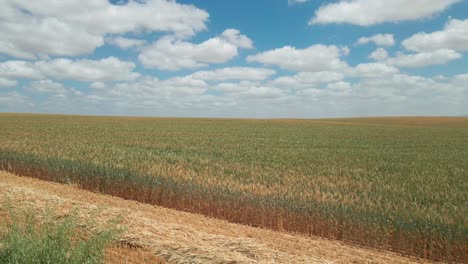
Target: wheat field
393, 183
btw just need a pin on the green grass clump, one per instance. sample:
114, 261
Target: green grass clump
26, 238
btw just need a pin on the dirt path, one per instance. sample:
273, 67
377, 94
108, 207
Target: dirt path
180, 237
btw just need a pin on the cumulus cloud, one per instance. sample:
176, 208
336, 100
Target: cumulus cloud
416, 60
454, 36
125, 43
422, 59
321, 83
401, 87
46, 86
170, 53
461, 77
249, 90
307, 79
150, 92
107, 69
7, 82
234, 73
19, 70
379, 54
293, 2
234, 37
372, 70
379, 40
371, 12
339, 86
12, 101
68, 28
379, 90
29, 37
98, 85
311, 59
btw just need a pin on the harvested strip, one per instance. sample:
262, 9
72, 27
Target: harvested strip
180, 237
129, 255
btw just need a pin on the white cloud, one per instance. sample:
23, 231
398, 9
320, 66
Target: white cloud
12, 101
106, 69
68, 28
462, 78
234, 73
125, 43
379, 40
19, 70
370, 12
150, 87
234, 37
340, 86
401, 87
423, 59
98, 85
415, 60
186, 81
293, 2
7, 82
379, 54
372, 70
249, 90
170, 53
377, 92
312, 59
307, 79
454, 36
46, 86
322, 84
101, 16
31, 37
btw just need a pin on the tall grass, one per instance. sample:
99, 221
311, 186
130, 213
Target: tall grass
387, 184
27, 238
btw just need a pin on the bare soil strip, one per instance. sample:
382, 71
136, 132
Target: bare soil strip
179, 237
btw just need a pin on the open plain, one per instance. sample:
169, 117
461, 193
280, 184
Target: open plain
395, 184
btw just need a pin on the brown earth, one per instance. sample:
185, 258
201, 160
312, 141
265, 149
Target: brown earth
154, 234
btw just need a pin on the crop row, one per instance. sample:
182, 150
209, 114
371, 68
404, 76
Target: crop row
420, 238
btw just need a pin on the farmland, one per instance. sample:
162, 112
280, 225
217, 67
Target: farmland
393, 183
150, 233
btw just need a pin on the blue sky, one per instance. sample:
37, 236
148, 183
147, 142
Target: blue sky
274, 58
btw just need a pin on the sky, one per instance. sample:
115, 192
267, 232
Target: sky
244, 58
